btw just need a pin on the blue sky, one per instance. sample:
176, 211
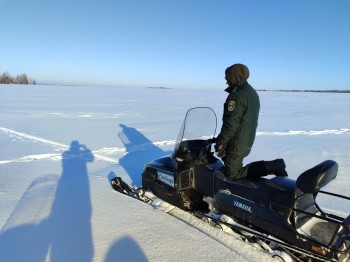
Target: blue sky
296, 44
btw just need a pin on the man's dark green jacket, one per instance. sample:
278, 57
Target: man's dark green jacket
240, 119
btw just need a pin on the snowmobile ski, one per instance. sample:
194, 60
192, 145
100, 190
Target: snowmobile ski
120, 186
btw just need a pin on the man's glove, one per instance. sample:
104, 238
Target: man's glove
220, 150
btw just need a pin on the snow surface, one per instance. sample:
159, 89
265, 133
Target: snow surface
56, 203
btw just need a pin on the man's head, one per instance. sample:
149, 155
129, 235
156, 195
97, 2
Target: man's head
236, 74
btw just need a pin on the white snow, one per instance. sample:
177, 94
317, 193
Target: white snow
54, 207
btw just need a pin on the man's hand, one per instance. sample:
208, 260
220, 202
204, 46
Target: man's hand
220, 150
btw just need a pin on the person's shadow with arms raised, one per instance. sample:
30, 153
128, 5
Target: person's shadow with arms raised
65, 233
70, 218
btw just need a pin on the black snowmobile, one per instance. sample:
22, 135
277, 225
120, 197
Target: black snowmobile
277, 209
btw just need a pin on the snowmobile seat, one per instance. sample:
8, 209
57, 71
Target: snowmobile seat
313, 179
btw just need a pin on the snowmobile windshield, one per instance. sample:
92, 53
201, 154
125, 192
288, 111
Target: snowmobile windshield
199, 124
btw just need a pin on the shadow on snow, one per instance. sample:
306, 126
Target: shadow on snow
139, 150
65, 233
125, 249
56, 225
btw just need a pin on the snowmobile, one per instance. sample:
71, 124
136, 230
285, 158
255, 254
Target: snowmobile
277, 209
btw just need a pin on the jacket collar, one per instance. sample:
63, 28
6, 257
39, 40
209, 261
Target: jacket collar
233, 88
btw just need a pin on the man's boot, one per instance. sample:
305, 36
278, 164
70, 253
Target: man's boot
276, 167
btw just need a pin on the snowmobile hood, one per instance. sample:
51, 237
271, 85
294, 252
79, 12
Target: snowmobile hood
236, 75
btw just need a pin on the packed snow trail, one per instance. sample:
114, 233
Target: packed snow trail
47, 142
99, 154
340, 131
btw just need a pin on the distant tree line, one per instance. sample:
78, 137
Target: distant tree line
21, 79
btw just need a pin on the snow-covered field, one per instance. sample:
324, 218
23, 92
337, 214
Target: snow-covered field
55, 207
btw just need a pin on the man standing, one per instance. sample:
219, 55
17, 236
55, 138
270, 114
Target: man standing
240, 121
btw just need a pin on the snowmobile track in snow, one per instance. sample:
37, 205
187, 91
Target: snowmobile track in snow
99, 154
54, 144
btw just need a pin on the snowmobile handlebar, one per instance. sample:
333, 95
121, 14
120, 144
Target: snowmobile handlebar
212, 140
208, 142
198, 149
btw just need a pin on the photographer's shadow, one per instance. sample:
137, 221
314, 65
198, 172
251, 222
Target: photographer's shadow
65, 234
70, 218
139, 150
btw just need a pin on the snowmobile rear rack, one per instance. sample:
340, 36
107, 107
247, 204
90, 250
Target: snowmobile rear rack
333, 194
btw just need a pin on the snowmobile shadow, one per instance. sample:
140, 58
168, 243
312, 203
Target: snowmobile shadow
62, 233
124, 250
139, 150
